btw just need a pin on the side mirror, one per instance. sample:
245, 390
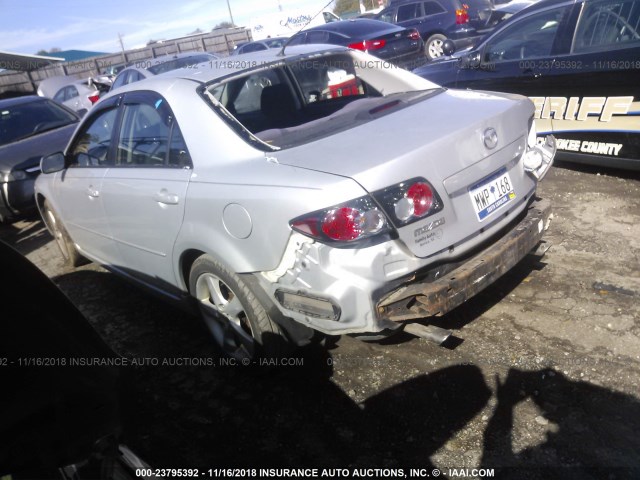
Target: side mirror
52, 163
448, 47
474, 59
470, 61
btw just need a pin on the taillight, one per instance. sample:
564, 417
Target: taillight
345, 224
462, 16
368, 45
93, 98
414, 35
409, 201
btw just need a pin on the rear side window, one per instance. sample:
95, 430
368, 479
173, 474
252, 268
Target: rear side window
432, 8
150, 137
92, 145
608, 25
409, 12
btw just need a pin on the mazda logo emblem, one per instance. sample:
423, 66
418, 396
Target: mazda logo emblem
490, 138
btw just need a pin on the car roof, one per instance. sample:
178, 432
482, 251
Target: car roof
355, 27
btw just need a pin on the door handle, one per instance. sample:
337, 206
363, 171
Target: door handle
163, 196
92, 192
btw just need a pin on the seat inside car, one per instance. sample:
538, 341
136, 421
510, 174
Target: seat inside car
278, 106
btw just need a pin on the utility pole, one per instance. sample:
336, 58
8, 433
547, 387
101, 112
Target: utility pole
230, 14
124, 57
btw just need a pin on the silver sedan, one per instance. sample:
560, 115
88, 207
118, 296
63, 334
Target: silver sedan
317, 189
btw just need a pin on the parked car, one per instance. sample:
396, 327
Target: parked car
252, 191
439, 20
395, 44
578, 61
78, 95
147, 68
265, 44
30, 127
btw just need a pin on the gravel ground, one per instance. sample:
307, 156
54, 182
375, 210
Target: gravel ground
541, 381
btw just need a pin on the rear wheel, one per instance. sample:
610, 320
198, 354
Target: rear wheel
63, 240
238, 322
433, 46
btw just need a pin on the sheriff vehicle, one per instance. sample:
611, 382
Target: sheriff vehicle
578, 61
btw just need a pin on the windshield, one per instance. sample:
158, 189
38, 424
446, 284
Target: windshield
24, 120
299, 101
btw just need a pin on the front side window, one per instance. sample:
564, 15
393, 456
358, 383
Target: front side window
531, 37
608, 25
91, 147
408, 12
387, 16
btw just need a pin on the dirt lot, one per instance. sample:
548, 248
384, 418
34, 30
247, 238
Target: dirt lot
542, 380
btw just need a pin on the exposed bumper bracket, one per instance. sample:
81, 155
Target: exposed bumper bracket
420, 300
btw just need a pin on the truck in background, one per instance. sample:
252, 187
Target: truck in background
285, 24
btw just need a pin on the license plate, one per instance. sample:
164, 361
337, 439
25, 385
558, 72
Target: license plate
491, 194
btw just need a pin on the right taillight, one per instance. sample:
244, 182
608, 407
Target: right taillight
462, 16
414, 35
409, 201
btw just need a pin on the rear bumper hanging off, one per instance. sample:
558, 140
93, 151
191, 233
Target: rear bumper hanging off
425, 299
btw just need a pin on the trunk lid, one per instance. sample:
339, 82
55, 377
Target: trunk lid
441, 140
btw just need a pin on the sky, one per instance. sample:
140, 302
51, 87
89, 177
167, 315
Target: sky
27, 26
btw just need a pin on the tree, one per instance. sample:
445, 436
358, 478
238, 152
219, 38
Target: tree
47, 52
197, 31
346, 6
224, 24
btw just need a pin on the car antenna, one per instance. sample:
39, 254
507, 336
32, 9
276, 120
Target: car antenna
281, 52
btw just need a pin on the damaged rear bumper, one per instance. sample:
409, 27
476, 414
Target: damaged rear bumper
425, 299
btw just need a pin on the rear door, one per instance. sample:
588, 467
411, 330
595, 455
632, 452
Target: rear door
144, 194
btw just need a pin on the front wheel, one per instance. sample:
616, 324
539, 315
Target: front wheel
63, 240
433, 46
238, 322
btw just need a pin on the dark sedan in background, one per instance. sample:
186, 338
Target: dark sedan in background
578, 61
401, 46
30, 128
259, 45
439, 20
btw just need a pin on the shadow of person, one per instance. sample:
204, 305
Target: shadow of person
412, 420
595, 433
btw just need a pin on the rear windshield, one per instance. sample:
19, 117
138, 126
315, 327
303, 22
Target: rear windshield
298, 102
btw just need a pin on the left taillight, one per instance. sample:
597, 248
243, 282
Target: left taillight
93, 98
409, 201
347, 224
368, 45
